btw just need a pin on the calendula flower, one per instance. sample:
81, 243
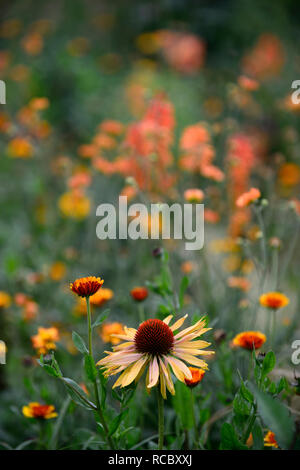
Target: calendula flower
86, 286
274, 300
247, 198
20, 147
101, 297
155, 346
108, 330
249, 340
44, 341
197, 376
194, 195
57, 270
5, 299
139, 293
36, 410
269, 440
74, 204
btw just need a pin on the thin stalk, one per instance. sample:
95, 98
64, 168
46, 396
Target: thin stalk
160, 406
196, 436
273, 328
98, 404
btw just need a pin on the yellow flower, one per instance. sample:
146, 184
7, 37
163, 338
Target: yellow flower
74, 204
36, 410
159, 347
57, 271
270, 440
45, 339
19, 147
5, 299
274, 300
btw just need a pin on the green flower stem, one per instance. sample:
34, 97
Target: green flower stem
90, 346
160, 406
273, 327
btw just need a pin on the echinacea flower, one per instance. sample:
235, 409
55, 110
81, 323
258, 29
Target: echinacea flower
269, 440
154, 345
249, 340
44, 341
86, 286
36, 410
247, 198
274, 300
197, 376
108, 330
139, 293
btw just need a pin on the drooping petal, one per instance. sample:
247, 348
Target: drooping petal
179, 368
153, 373
193, 360
168, 319
178, 323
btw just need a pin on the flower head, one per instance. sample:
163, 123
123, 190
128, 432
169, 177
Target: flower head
36, 410
249, 340
247, 198
5, 299
269, 440
44, 341
101, 297
139, 293
274, 300
197, 376
154, 345
108, 330
86, 286
194, 195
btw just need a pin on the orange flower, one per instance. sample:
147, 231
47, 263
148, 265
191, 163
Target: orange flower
187, 267
270, 440
19, 147
274, 300
74, 204
101, 297
247, 198
197, 376
249, 340
239, 283
30, 310
112, 127
57, 271
193, 195
139, 293
36, 410
45, 339
289, 174
109, 329
86, 286
249, 84
5, 300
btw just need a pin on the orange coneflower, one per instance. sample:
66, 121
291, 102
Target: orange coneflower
44, 341
247, 198
269, 440
36, 410
249, 340
197, 376
86, 286
155, 345
274, 300
139, 293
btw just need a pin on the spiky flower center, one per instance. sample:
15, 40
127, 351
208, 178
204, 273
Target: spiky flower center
154, 337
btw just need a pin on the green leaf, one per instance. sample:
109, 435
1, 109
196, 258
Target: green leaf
117, 421
241, 406
78, 395
50, 370
79, 343
276, 417
229, 439
101, 318
183, 286
268, 363
90, 368
258, 438
246, 394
